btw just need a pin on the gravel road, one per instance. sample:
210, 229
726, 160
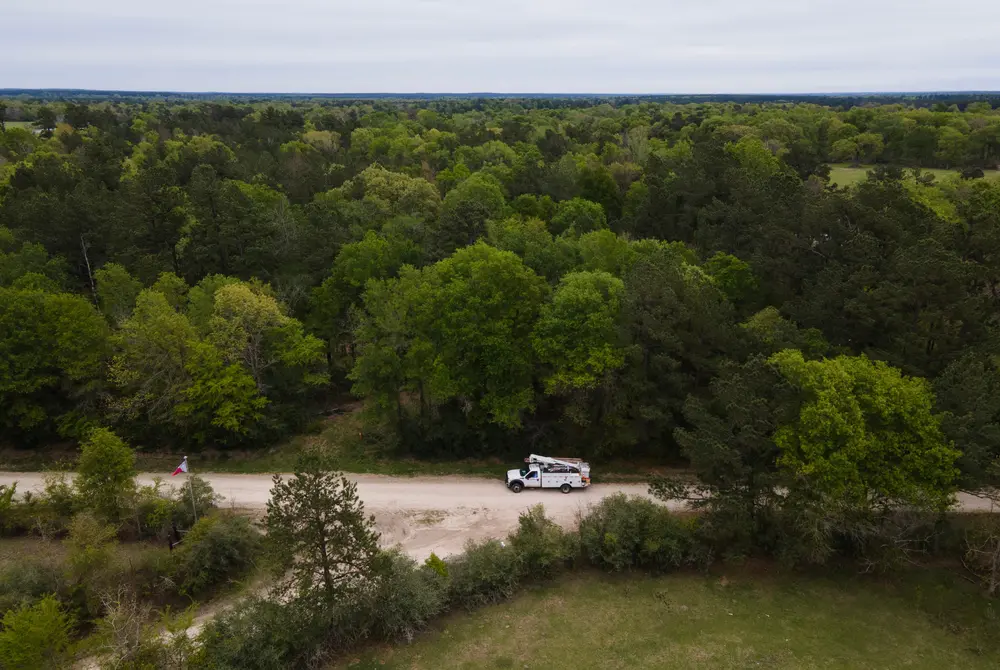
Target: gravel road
425, 514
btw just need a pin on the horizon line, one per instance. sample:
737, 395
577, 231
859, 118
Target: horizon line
472, 94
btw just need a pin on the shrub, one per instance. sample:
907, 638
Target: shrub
403, 599
260, 635
35, 636
48, 514
121, 629
6, 503
153, 511
92, 567
486, 573
982, 551
543, 547
205, 500
622, 533
27, 581
218, 549
437, 565
148, 573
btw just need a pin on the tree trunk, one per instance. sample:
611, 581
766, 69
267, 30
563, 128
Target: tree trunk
90, 274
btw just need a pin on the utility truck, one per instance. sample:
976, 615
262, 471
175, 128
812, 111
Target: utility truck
543, 472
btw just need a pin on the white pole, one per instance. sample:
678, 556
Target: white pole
191, 486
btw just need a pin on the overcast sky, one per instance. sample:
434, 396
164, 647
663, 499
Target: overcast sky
557, 46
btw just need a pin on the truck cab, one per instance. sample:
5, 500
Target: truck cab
544, 472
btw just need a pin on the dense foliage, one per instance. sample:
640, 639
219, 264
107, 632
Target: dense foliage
570, 274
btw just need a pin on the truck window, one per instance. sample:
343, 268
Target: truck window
532, 475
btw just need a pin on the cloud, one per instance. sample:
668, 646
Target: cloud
626, 46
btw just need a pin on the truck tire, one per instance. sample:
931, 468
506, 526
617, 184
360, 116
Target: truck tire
516, 487
565, 488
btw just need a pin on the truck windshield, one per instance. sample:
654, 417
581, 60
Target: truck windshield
524, 471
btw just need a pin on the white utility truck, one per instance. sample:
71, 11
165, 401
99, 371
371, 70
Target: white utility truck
542, 472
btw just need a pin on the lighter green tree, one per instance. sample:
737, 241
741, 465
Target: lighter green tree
576, 335
866, 435
105, 477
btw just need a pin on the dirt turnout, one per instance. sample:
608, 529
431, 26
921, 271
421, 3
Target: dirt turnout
427, 514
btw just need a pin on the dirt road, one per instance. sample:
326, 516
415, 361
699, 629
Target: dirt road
425, 514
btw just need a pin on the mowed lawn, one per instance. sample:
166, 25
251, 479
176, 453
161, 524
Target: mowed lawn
932, 621
843, 174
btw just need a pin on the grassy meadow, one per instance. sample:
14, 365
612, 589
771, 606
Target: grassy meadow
845, 174
736, 618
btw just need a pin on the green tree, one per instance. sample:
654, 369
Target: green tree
865, 434
733, 276
52, 348
36, 637
728, 439
577, 332
577, 217
324, 545
149, 368
456, 330
28, 259
530, 239
116, 292
465, 211
386, 194
374, 257
106, 473
968, 394
45, 120
248, 326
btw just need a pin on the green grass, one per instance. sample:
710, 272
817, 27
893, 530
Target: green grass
928, 620
28, 125
844, 174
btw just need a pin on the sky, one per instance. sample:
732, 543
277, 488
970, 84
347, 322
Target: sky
517, 46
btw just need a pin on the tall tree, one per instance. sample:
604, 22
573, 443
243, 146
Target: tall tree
316, 526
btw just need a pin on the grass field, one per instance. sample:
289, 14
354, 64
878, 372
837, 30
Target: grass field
844, 174
20, 124
746, 619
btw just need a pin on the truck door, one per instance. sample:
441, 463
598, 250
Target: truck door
532, 479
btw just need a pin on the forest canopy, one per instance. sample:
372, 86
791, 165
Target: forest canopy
572, 274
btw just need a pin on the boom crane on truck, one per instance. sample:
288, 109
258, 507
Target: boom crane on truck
545, 472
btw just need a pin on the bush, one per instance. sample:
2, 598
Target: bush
35, 636
404, 598
205, 499
27, 581
543, 547
260, 635
219, 549
486, 573
50, 513
153, 512
437, 565
121, 629
982, 551
92, 567
623, 533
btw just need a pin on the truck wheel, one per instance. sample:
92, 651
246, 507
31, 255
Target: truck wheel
565, 488
516, 487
